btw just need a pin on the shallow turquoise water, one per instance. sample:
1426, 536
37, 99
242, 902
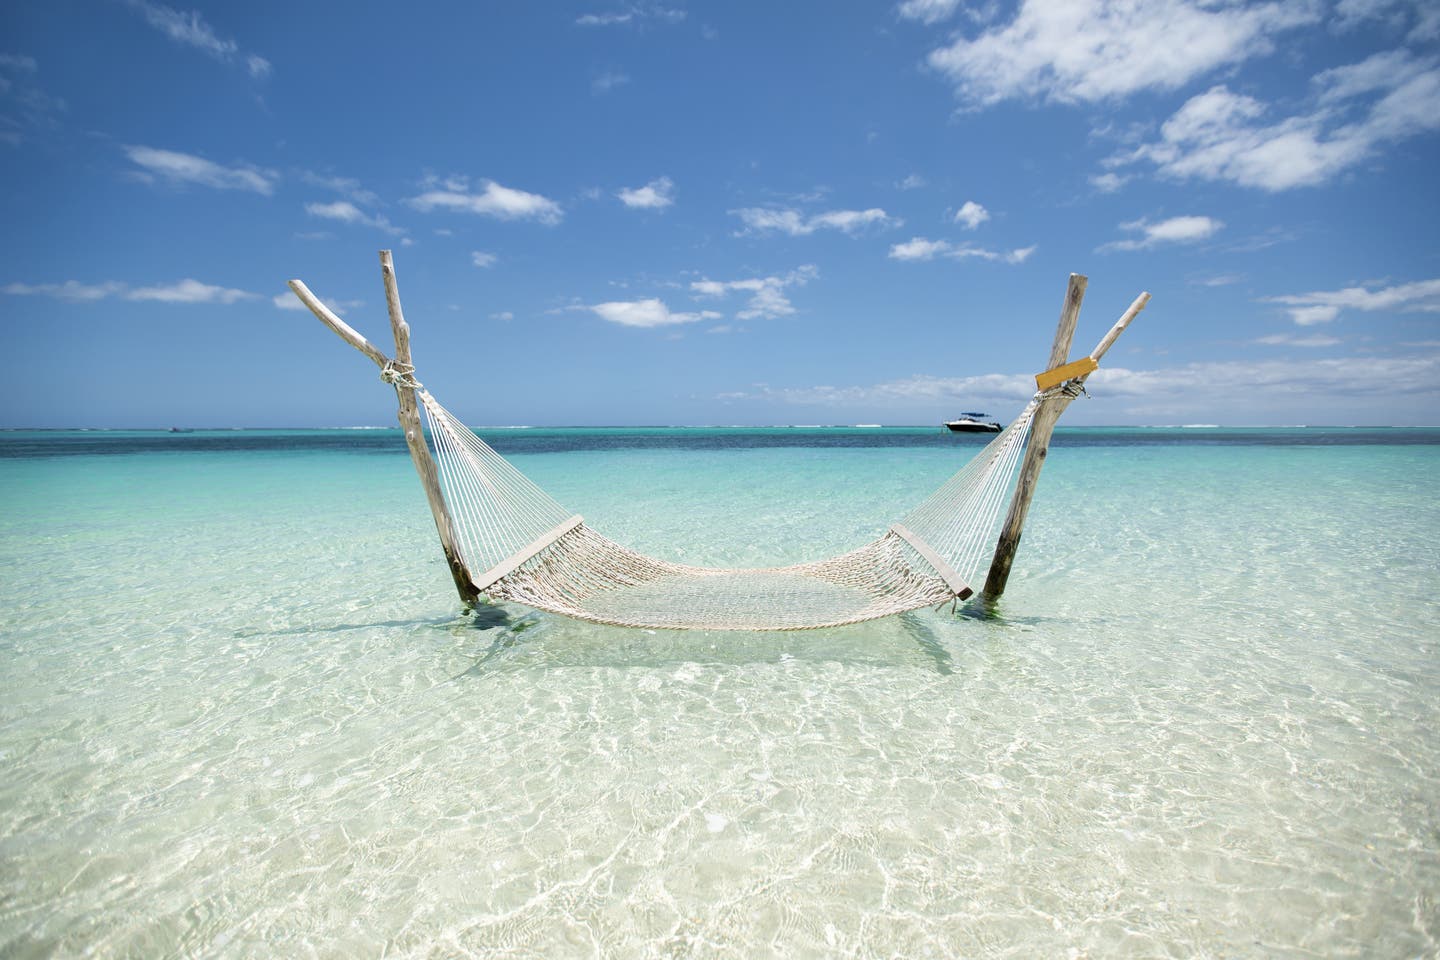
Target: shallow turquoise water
241, 714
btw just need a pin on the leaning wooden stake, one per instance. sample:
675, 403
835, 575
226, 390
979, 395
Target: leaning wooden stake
409, 415
1044, 425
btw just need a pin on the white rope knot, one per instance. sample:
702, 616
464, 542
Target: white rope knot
400, 374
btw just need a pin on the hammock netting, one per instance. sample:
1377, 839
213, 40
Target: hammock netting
519, 545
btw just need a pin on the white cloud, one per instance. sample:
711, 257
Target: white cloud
1421, 16
913, 182
347, 187
1107, 182
183, 291
346, 212
482, 259
503, 203
190, 29
607, 81
646, 313
928, 11
1096, 50
767, 294
1310, 316
637, 14
920, 248
791, 221
505, 316
655, 195
1175, 230
1217, 280
971, 215
190, 291
1358, 108
1309, 309
18, 63
71, 290
1290, 340
183, 168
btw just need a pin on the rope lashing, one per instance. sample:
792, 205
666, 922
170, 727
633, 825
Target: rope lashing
400, 374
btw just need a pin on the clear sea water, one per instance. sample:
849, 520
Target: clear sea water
241, 714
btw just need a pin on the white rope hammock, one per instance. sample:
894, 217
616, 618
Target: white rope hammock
535, 552
506, 538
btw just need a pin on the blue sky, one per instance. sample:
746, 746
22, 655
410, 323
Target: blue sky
737, 213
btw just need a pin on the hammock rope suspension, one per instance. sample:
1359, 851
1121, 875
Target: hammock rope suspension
508, 539
521, 545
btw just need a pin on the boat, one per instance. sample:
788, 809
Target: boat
970, 422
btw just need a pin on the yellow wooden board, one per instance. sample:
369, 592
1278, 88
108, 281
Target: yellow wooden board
1077, 368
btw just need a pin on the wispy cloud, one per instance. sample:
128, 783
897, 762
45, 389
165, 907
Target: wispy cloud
190, 291
1217, 280
608, 80
346, 212
767, 294
971, 215
190, 29
634, 15
913, 182
921, 248
184, 168
791, 221
71, 290
928, 11
23, 103
493, 200
646, 313
1096, 50
1355, 110
1174, 230
1107, 182
182, 291
655, 195
482, 259
348, 187
1290, 340
1309, 309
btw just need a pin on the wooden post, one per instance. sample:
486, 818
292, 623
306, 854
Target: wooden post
1044, 426
409, 413
409, 417
1035, 453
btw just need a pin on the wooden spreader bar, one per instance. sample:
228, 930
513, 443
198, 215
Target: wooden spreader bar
947, 573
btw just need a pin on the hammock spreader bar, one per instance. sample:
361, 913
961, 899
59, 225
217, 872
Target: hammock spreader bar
530, 550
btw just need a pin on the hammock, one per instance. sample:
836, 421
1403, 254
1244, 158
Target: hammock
535, 552
507, 539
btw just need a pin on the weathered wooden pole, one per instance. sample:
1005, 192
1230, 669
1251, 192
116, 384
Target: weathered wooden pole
400, 373
1044, 425
409, 417
1040, 431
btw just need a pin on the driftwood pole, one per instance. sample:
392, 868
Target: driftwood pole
400, 374
1039, 447
409, 417
1044, 425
